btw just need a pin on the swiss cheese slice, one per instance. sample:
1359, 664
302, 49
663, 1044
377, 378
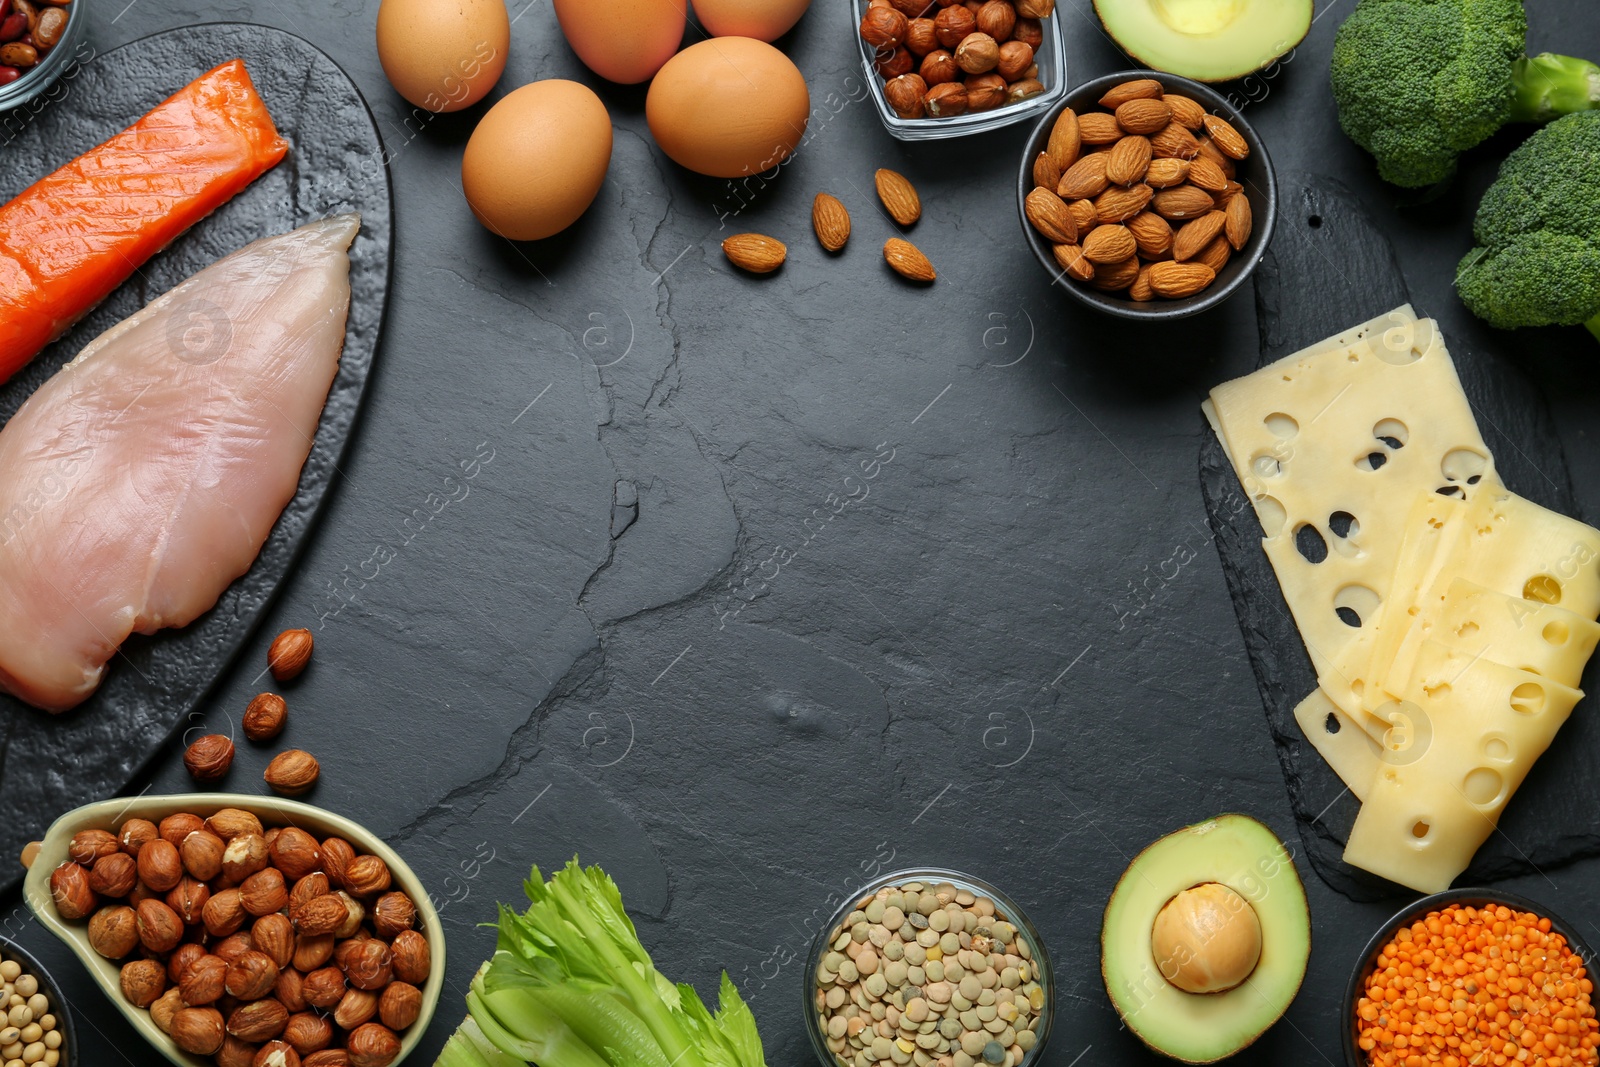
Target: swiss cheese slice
1425, 814
1352, 753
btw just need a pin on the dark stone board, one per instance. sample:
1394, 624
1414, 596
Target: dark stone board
1332, 268
49, 764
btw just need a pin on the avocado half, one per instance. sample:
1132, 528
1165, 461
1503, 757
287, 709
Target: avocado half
1207, 40
1241, 854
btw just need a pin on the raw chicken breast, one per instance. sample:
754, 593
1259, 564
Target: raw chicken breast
144, 477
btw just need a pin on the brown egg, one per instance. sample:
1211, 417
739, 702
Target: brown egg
728, 107
443, 55
765, 20
537, 160
624, 41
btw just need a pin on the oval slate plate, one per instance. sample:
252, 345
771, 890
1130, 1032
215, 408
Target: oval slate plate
50, 764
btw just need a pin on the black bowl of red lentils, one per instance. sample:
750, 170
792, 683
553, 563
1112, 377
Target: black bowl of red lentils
1472, 978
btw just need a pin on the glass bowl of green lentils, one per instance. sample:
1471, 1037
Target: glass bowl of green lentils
929, 968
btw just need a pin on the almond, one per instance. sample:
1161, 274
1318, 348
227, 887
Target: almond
1114, 276
1178, 280
831, 219
1140, 289
1228, 139
1065, 142
899, 197
1175, 142
908, 260
1209, 150
1049, 215
1097, 127
1085, 178
1186, 112
1109, 244
1128, 159
1192, 237
1239, 221
1144, 116
1046, 174
1225, 197
1084, 214
1207, 175
1138, 89
1215, 255
1152, 233
1117, 203
1165, 173
755, 252
1183, 202
1072, 260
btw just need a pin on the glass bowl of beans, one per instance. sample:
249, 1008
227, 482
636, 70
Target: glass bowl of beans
932, 968
36, 1027
1475, 974
40, 40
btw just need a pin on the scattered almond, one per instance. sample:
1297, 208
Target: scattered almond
1049, 215
1128, 159
1138, 89
1109, 244
1239, 221
831, 219
899, 197
1175, 142
1228, 139
1207, 175
1152, 233
1164, 173
1098, 127
755, 252
908, 261
1085, 178
1144, 115
1185, 111
1216, 254
1114, 276
1182, 202
1117, 203
1065, 141
1072, 260
1192, 237
1046, 174
1175, 280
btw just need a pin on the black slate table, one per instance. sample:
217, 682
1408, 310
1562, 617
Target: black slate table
614, 644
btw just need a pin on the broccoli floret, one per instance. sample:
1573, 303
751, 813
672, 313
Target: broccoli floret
1418, 82
1538, 231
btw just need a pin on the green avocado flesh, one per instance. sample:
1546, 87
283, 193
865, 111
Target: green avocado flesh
1240, 853
1207, 40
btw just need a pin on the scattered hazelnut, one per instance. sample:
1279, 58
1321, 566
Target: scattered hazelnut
259, 1020
412, 957
198, 1030
229, 823
244, 856
174, 828
308, 1032
295, 853
289, 654
114, 875
366, 875
165, 1007
292, 772
87, 846
160, 929
188, 898
392, 913
202, 853
355, 1008
223, 913
947, 99
264, 892
372, 1045
135, 833
399, 1005
251, 976
265, 716
160, 866
208, 759
204, 982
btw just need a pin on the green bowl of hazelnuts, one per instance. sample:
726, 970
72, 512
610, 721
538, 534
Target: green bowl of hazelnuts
237, 930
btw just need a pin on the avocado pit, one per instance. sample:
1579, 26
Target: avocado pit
1206, 939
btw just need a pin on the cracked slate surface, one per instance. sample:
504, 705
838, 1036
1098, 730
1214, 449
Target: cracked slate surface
1015, 654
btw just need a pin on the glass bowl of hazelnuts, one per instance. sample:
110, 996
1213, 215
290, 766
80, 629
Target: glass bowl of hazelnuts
244, 931
948, 68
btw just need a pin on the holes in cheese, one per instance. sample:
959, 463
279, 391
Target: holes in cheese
1372, 461
1463, 465
1528, 698
1309, 542
1496, 748
1355, 603
1282, 426
1555, 633
1543, 589
1419, 829
1392, 432
1271, 514
1343, 524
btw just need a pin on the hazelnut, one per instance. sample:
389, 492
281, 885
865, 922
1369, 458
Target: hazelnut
277, 1054
308, 1032
274, 935
1015, 58
90, 845
911, 8
307, 889
259, 1020
1030, 32
366, 875
289, 654
198, 1030
69, 888
165, 1007
354, 914
904, 95
201, 852
160, 866
938, 68
893, 64
997, 18
244, 856
392, 913
174, 828
322, 915
921, 37
290, 990
324, 988
160, 929
188, 898
272, 835
978, 53
952, 25
114, 931
182, 958
1036, 9
412, 957
140, 893
114, 875
372, 1045
209, 758
135, 833
295, 853
328, 1057
985, 92
252, 976
884, 28
399, 1005
229, 823
233, 946
223, 913
265, 716
264, 892
355, 1008
204, 982
236, 1053
292, 772
312, 952
369, 965
143, 981
946, 99
336, 857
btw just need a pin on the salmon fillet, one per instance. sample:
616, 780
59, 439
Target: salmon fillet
144, 477
72, 237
